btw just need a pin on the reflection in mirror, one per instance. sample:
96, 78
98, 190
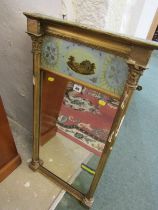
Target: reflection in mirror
75, 123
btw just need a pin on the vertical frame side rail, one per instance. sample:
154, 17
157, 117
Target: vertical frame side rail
36, 50
135, 71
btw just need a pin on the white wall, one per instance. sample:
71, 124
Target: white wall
123, 16
147, 15
91, 12
114, 15
131, 16
16, 57
68, 8
86, 12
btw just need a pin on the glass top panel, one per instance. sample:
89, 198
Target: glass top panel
93, 66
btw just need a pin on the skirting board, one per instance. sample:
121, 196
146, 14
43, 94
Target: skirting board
9, 167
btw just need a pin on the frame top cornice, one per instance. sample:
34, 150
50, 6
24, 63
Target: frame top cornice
94, 32
136, 50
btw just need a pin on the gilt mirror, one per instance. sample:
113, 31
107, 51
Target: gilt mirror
83, 81
81, 87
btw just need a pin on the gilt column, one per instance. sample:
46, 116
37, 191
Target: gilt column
135, 71
36, 50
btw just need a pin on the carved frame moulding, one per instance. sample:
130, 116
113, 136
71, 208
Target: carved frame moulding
128, 56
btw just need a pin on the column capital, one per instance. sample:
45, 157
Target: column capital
135, 72
36, 43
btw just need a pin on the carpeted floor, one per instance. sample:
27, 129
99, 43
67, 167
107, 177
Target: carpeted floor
130, 181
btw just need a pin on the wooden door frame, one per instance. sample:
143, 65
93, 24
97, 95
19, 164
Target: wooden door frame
153, 26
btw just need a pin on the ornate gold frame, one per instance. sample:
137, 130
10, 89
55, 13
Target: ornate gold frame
136, 52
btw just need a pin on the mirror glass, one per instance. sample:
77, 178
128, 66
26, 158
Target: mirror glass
75, 123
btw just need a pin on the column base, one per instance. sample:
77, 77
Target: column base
88, 202
34, 164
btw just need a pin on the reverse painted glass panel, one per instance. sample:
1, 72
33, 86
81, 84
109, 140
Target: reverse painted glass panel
93, 66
